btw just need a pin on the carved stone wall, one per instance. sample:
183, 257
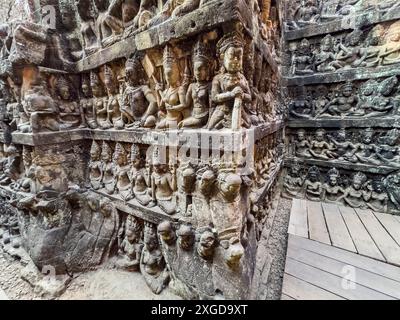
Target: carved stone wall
147, 132
342, 76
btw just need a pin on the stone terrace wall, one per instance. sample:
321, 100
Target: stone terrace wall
342, 72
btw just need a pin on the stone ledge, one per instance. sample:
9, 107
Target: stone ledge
132, 207
206, 18
368, 168
389, 122
343, 75
346, 23
187, 137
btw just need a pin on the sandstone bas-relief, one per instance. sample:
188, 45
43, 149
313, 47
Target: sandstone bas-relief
77, 164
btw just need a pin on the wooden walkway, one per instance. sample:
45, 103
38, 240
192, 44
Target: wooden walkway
336, 252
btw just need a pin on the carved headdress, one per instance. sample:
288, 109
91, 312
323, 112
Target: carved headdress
62, 82
133, 225
135, 152
233, 39
360, 177
313, 171
134, 68
169, 56
106, 151
348, 85
119, 152
334, 173
328, 41
95, 150
95, 80
202, 52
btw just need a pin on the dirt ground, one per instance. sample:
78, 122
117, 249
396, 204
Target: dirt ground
109, 283
102, 284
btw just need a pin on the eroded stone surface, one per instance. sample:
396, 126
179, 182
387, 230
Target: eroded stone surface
147, 134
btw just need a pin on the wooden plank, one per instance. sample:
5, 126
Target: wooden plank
391, 224
330, 282
361, 238
298, 218
316, 223
359, 261
338, 232
301, 290
385, 243
286, 297
361, 277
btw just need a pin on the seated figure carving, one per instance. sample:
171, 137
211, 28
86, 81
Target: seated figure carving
392, 187
86, 102
351, 54
303, 60
173, 97
70, 115
130, 248
139, 103
312, 186
99, 101
387, 150
293, 181
113, 109
355, 195
342, 105
383, 103
163, 187
345, 149
152, 263
88, 29
302, 108
40, 108
140, 177
306, 13
331, 190
325, 59
320, 148
108, 181
379, 199
366, 148
95, 166
366, 98
121, 172
302, 145
108, 26
198, 93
